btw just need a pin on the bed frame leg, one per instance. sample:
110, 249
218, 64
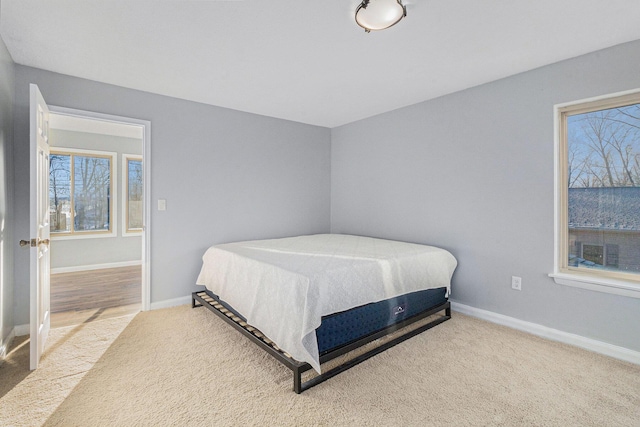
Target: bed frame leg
447, 311
297, 381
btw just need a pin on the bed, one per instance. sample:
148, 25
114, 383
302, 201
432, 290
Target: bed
310, 299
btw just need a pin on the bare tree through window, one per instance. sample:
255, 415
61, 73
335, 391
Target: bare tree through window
134, 194
80, 192
603, 171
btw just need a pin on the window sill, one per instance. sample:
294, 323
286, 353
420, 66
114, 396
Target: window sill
610, 286
78, 236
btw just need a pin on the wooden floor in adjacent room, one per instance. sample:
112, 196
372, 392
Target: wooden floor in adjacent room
84, 296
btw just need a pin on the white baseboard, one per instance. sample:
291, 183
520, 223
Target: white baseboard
5, 343
95, 267
21, 330
611, 350
171, 302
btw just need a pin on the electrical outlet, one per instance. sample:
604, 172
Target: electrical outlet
516, 283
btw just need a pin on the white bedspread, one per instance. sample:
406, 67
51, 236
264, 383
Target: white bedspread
284, 286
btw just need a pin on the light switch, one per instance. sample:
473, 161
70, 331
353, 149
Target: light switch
162, 205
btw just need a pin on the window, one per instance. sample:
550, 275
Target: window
598, 192
133, 185
81, 193
611, 255
593, 255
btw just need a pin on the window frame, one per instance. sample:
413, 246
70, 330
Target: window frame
113, 208
615, 282
126, 231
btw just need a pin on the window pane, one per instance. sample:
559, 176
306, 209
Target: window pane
92, 186
612, 255
604, 189
60, 192
593, 253
134, 194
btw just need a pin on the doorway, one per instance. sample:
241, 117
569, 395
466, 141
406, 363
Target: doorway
98, 206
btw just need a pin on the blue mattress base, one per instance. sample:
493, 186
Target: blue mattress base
343, 328
340, 329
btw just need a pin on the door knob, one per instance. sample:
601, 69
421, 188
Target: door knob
34, 242
24, 243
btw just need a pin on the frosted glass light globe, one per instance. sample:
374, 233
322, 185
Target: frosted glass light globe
374, 15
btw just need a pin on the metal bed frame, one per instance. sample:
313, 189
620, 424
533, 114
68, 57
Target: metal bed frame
207, 299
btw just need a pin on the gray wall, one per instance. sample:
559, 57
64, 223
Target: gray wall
103, 250
226, 175
6, 197
473, 172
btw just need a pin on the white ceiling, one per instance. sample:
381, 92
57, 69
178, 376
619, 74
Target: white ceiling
306, 60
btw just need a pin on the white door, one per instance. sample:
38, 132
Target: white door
40, 307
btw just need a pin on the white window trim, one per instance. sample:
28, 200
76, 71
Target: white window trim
125, 194
114, 198
611, 286
567, 276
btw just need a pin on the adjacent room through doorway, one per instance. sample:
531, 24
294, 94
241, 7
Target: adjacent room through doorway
96, 184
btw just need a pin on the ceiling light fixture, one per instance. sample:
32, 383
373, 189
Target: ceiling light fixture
373, 15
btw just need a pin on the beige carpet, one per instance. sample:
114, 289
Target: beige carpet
184, 366
28, 398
